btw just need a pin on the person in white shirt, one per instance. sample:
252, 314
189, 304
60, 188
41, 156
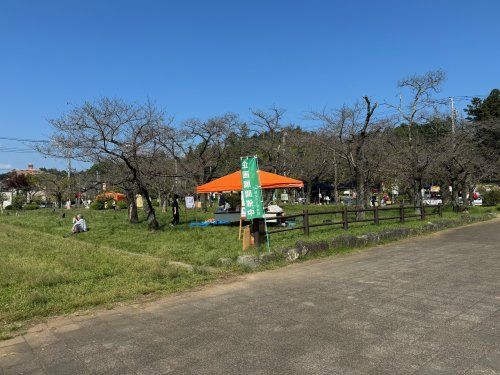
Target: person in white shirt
79, 224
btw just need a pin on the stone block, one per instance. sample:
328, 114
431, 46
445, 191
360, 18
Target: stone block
465, 216
251, 261
430, 226
373, 237
345, 240
305, 248
361, 240
445, 223
401, 232
291, 255
268, 257
224, 262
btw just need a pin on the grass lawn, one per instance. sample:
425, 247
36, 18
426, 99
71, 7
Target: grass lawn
44, 274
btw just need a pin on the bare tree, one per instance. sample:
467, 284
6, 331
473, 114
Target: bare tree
460, 162
55, 184
415, 157
352, 128
271, 134
307, 158
199, 147
113, 130
117, 175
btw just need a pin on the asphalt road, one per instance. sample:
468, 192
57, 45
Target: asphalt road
428, 306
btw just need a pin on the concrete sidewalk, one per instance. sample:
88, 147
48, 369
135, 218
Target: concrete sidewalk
429, 306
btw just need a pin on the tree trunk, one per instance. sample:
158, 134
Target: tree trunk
445, 193
335, 186
360, 195
417, 194
309, 191
149, 210
164, 205
467, 189
205, 202
454, 195
464, 196
335, 180
163, 196
59, 200
133, 216
471, 193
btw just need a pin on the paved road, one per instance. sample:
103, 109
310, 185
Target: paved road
425, 306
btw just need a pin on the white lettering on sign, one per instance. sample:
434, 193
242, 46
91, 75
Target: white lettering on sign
246, 174
249, 203
246, 184
248, 193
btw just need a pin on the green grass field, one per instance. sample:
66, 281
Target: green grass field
43, 274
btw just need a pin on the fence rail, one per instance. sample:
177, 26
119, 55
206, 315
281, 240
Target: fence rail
346, 220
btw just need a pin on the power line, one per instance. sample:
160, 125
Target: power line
25, 140
18, 151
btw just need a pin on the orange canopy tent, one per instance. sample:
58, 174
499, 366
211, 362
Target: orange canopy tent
112, 195
232, 182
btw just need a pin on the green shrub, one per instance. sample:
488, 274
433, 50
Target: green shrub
492, 197
106, 203
122, 205
97, 205
18, 201
31, 206
36, 200
155, 203
9, 207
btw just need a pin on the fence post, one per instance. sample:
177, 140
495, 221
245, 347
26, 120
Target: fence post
402, 213
440, 210
345, 219
306, 222
375, 215
422, 212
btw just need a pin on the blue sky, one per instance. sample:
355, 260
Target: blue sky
204, 58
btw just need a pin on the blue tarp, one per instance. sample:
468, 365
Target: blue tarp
208, 223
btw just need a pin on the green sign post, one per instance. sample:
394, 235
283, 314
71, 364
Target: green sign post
252, 191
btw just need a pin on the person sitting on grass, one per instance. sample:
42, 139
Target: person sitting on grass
79, 224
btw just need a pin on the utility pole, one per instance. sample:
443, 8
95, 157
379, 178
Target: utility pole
452, 109
69, 168
335, 179
454, 187
98, 183
283, 151
176, 179
176, 168
68, 152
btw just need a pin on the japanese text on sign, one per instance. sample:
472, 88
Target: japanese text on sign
251, 189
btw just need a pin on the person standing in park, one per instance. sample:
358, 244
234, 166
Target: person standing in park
175, 210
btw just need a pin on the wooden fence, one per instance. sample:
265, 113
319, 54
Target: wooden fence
379, 214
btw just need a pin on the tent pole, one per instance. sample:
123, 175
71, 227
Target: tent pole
268, 244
